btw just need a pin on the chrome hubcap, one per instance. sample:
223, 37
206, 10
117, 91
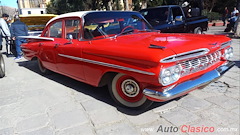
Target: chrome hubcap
130, 88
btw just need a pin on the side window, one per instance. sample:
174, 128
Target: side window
72, 28
176, 11
56, 30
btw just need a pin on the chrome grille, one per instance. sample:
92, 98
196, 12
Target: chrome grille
198, 64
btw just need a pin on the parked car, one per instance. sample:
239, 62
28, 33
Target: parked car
36, 22
2, 66
120, 49
172, 19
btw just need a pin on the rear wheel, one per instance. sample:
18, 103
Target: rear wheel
126, 91
198, 30
2, 66
42, 69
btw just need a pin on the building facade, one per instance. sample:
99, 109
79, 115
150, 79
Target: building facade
32, 6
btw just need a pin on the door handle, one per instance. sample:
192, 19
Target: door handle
67, 43
40, 44
56, 45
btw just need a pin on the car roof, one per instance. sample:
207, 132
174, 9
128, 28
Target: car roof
79, 14
164, 6
72, 14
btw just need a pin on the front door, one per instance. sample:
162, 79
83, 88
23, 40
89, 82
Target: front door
177, 26
69, 50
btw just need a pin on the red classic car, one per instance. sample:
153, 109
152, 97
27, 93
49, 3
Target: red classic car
120, 49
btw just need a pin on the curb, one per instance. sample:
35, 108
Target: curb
215, 24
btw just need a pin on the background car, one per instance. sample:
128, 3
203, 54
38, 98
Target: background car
36, 22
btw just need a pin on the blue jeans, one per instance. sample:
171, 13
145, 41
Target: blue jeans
18, 43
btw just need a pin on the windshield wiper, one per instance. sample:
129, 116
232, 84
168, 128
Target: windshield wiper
132, 30
124, 32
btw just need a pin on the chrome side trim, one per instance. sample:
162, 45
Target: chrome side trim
187, 86
225, 44
185, 55
106, 64
37, 37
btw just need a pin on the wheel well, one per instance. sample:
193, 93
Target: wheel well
34, 58
106, 78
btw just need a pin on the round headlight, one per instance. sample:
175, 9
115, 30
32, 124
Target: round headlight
166, 76
176, 73
228, 53
170, 75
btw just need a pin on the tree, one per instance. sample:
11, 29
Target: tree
154, 3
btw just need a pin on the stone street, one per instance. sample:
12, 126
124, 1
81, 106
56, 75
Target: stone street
32, 104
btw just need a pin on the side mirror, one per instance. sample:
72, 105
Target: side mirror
69, 37
179, 18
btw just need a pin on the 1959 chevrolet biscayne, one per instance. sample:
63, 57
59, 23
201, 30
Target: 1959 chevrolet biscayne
120, 49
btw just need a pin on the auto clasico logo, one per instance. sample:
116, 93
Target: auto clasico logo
186, 129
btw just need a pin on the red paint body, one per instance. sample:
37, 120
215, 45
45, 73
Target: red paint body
130, 50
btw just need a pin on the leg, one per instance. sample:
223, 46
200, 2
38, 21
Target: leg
7, 46
18, 49
223, 19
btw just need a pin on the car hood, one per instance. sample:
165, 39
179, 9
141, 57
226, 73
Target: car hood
150, 48
178, 43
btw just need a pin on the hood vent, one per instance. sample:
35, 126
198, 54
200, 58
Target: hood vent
185, 55
156, 46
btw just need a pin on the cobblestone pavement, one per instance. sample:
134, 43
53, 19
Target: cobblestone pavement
32, 104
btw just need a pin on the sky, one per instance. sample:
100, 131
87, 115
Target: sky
9, 3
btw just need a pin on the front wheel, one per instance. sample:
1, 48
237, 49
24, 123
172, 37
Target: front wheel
2, 66
198, 30
126, 91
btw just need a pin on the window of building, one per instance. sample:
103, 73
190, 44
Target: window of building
29, 12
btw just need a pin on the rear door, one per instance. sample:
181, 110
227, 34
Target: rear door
47, 49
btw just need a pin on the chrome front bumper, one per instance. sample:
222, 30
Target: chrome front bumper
187, 86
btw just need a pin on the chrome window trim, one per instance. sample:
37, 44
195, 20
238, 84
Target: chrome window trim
190, 54
106, 64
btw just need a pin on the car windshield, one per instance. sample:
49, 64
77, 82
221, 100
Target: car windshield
110, 24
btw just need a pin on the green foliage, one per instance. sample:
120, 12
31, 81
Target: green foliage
154, 3
212, 15
65, 6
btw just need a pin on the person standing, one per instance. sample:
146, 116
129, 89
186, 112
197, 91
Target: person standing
224, 16
235, 11
4, 29
237, 27
17, 29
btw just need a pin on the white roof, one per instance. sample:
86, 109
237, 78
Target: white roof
72, 14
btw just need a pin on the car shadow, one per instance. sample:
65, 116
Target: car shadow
99, 93
237, 63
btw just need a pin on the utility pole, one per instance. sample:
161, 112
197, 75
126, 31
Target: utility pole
1, 11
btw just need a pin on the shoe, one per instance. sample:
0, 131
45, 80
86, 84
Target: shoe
0, 47
18, 58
